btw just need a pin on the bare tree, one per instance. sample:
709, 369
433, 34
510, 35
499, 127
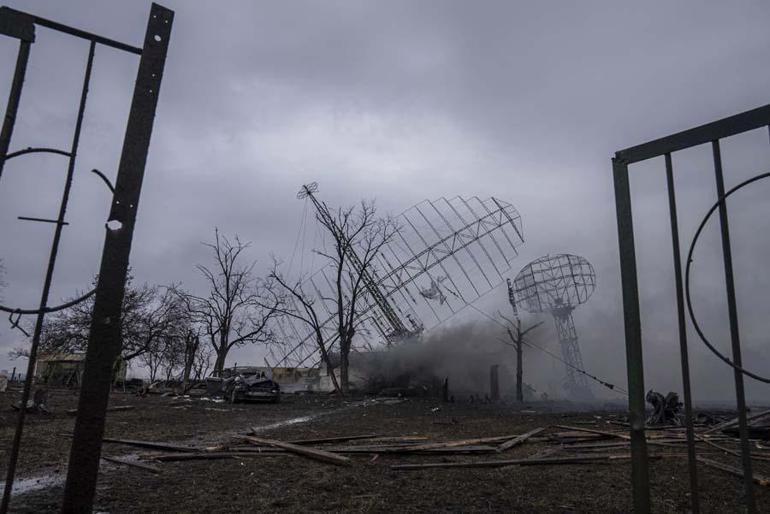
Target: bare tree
516, 335
236, 309
149, 316
357, 237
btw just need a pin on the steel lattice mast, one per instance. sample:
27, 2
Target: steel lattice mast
570, 350
398, 327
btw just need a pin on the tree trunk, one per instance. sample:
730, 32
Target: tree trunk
327, 361
519, 368
219, 364
344, 365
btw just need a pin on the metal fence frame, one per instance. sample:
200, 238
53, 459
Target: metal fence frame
104, 340
709, 133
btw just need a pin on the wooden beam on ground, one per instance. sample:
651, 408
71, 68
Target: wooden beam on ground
461, 442
507, 445
759, 480
728, 450
340, 439
594, 431
124, 462
116, 408
174, 457
152, 445
545, 461
311, 453
734, 421
403, 450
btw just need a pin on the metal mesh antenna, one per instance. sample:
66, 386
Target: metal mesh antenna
556, 284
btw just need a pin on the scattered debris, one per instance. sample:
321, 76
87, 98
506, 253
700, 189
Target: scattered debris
38, 402
116, 408
667, 410
547, 461
507, 445
132, 463
759, 480
311, 453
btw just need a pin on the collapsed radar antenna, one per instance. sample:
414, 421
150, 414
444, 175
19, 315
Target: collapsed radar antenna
556, 284
307, 190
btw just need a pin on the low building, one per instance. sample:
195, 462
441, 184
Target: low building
66, 369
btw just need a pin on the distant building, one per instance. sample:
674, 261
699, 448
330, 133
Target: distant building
66, 369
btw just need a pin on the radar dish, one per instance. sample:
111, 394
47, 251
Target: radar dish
555, 281
556, 284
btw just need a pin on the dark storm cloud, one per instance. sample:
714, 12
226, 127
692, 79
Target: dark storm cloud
398, 101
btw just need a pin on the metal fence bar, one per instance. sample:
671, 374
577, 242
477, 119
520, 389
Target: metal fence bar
14, 455
95, 38
740, 397
634, 357
14, 97
703, 134
692, 465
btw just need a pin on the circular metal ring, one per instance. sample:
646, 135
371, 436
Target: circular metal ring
48, 309
76, 301
687, 279
36, 150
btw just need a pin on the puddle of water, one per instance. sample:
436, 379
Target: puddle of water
36, 483
284, 423
39, 482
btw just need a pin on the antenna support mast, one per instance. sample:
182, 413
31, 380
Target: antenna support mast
399, 329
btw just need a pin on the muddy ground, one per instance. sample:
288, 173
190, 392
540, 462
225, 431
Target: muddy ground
291, 483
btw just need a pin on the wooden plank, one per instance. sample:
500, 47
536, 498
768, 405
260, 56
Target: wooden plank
728, 450
404, 450
117, 408
174, 457
132, 463
340, 439
311, 453
734, 421
594, 431
461, 442
545, 461
151, 444
507, 445
758, 479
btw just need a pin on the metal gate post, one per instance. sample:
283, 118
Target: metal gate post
633, 331
22, 27
740, 397
104, 343
692, 465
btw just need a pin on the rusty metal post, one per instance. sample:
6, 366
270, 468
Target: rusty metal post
104, 342
633, 330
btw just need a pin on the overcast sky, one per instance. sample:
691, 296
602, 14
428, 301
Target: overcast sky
401, 101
